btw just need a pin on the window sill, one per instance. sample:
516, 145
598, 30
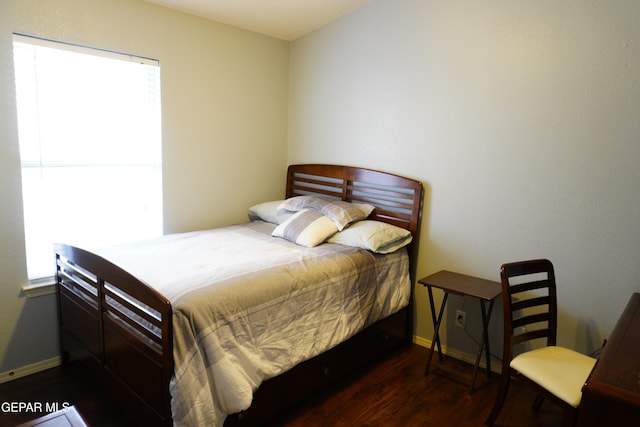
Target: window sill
40, 287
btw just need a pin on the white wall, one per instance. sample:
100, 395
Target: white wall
521, 118
224, 113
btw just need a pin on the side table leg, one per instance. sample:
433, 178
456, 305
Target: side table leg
486, 336
436, 327
484, 342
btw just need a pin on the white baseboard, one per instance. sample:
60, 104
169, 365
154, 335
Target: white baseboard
456, 354
29, 369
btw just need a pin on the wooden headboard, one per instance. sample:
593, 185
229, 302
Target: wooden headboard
398, 200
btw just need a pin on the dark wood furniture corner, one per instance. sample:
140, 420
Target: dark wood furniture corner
461, 284
611, 395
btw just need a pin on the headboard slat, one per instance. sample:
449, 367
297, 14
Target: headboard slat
398, 200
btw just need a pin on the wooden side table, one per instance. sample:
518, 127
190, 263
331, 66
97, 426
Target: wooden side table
461, 284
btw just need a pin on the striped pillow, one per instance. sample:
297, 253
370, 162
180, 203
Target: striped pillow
307, 228
341, 212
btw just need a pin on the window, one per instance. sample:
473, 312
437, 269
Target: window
90, 147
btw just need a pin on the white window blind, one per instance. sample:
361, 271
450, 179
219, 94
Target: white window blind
90, 147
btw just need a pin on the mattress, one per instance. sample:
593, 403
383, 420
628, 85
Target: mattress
248, 306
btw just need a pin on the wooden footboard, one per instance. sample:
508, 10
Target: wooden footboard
117, 324
113, 321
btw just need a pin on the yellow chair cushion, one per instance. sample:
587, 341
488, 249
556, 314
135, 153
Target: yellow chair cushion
561, 371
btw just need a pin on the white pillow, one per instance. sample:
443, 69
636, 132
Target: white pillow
306, 228
269, 212
341, 212
376, 236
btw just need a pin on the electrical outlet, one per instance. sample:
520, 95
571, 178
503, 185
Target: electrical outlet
461, 318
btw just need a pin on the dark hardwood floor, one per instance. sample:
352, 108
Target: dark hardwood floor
393, 392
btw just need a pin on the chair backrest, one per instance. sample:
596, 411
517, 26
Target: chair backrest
529, 303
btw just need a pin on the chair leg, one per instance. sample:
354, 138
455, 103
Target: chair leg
500, 398
537, 403
570, 417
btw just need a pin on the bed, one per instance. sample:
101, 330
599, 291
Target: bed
146, 333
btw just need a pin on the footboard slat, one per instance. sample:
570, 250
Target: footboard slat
135, 338
135, 315
135, 305
78, 281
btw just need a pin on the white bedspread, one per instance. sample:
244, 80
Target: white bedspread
248, 306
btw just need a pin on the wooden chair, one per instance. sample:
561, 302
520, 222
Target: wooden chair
530, 313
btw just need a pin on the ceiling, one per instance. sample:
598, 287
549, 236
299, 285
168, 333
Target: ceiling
283, 19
